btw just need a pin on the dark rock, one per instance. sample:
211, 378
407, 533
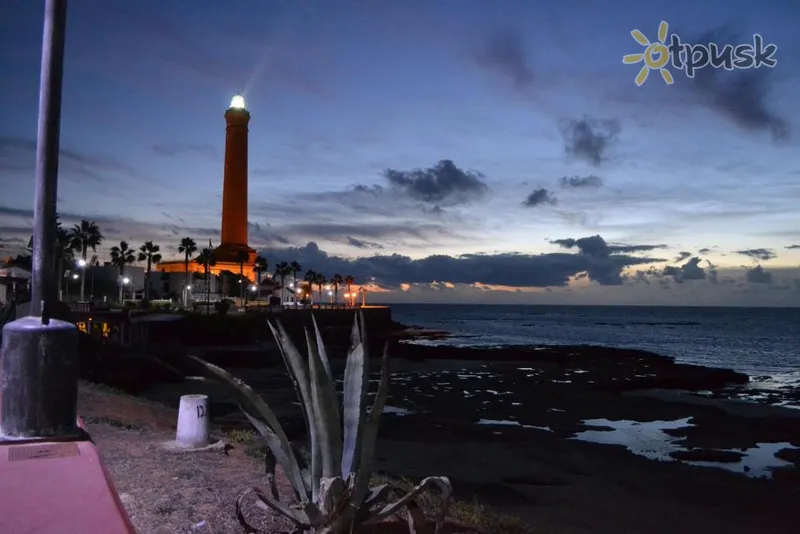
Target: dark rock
790, 455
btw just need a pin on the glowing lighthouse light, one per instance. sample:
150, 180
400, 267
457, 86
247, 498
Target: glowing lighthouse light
237, 102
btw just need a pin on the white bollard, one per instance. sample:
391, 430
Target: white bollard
193, 421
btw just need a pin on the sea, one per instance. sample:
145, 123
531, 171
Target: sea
761, 342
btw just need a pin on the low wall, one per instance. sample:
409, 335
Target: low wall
375, 316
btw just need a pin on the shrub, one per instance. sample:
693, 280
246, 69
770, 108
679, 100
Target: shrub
332, 490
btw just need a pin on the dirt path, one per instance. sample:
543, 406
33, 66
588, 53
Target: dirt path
167, 492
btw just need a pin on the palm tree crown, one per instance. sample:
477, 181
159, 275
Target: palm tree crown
150, 253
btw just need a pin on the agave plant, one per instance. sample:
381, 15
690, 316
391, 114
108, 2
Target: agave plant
333, 493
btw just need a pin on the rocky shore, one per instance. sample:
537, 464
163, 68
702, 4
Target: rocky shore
572, 439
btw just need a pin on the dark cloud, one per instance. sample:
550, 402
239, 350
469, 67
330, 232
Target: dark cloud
444, 182
704, 250
740, 96
169, 150
589, 139
19, 154
713, 275
596, 245
371, 189
503, 53
757, 275
580, 181
682, 256
512, 269
763, 254
690, 270
539, 197
360, 243
791, 247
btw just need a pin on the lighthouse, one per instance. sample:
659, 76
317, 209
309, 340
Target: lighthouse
233, 235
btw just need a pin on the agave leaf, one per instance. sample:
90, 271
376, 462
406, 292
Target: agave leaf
323, 354
416, 518
298, 516
370, 437
298, 371
354, 402
263, 419
326, 413
390, 509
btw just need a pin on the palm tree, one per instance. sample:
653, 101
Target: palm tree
320, 280
187, 247
336, 281
65, 255
149, 252
84, 236
260, 266
295, 268
311, 278
348, 282
207, 260
122, 255
282, 270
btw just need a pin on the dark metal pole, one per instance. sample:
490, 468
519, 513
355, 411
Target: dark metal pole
44, 292
39, 355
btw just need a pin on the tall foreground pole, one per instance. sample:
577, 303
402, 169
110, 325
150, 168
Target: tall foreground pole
39, 357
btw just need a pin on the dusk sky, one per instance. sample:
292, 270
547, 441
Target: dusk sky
456, 151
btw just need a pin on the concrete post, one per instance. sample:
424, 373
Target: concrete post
39, 372
192, 421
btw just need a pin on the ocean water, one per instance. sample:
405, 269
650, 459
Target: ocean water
762, 342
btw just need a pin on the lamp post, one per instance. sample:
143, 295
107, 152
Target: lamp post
125, 282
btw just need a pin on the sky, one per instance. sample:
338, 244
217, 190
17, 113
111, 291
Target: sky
441, 151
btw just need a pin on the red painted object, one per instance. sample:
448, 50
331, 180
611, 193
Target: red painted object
59, 487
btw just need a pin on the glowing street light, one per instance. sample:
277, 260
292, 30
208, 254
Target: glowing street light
126, 281
75, 276
81, 263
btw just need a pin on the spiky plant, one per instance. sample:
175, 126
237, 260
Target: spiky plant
333, 494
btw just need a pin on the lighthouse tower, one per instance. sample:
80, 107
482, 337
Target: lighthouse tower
233, 240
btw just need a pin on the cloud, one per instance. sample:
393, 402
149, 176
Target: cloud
739, 96
360, 243
580, 181
19, 154
503, 53
444, 182
763, 254
589, 139
169, 150
690, 270
791, 247
757, 275
682, 256
705, 250
539, 197
597, 246
510, 269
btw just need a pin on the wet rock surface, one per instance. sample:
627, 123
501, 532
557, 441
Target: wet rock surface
504, 425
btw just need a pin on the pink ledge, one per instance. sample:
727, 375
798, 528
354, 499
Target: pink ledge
58, 488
